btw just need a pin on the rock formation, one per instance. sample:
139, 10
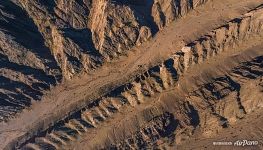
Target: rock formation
128, 74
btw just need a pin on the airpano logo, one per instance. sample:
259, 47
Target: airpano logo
245, 143
236, 143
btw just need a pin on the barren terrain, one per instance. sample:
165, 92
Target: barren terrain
149, 74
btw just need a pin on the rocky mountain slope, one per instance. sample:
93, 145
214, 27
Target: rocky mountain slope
112, 74
56, 40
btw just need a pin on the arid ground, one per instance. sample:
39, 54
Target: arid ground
131, 74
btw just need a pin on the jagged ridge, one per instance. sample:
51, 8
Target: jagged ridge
164, 76
43, 42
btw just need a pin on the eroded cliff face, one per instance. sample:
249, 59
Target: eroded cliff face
157, 107
207, 82
27, 65
64, 26
83, 34
118, 25
58, 39
164, 12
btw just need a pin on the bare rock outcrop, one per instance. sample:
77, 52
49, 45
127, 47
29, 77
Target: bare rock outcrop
174, 117
58, 39
27, 65
97, 73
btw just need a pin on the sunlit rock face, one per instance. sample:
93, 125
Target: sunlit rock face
129, 74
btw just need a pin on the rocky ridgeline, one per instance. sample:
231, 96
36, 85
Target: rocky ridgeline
82, 34
210, 108
43, 42
165, 76
27, 65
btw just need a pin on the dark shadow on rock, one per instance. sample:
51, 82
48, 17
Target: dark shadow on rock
49, 4
19, 87
83, 38
9, 100
26, 70
169, 124
246, 69
18, 94
169, 64
193, 115
22, 28
142, 10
